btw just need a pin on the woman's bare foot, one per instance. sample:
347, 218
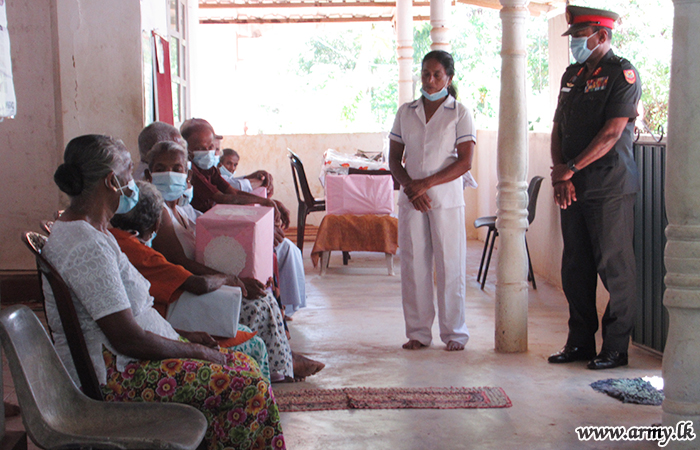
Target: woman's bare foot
305, 367
454, 346
413, 345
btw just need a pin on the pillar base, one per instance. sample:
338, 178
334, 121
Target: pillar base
671, 420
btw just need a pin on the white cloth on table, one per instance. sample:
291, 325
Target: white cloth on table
291, 276
102, 281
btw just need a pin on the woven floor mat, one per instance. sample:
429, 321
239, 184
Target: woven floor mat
391, 398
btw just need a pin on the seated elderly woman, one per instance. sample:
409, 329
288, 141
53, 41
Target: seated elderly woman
167, 162
137, 354
173, 285
292, 280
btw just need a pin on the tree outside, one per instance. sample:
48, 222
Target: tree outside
342, 78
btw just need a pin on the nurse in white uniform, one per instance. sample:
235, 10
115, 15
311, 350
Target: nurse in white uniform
431, 147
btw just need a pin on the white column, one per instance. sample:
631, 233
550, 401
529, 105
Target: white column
511, 200
439, 34
404, 49
681, 363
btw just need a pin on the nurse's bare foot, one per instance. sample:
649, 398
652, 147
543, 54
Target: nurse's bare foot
305, 367
413, 345
454, 346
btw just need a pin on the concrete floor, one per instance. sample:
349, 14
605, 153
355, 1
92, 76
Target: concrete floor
353, 322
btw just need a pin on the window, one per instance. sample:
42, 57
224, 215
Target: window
177, 34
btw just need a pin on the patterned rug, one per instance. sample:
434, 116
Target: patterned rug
391, 398
630, 390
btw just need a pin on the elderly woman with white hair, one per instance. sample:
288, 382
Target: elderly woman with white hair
173, 286
144, 358
167, 162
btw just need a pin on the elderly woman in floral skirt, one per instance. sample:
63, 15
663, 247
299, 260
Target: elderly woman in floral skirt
137, 355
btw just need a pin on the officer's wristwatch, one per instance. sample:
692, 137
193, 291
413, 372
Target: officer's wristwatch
572, 166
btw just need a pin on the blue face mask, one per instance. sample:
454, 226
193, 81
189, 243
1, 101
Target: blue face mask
206, 159
579, 48
436, 96
224, 172
171, 184
186, 197
127, 203
149, 243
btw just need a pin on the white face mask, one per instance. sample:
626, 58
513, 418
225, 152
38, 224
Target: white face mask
225, 172
206, 159
170, 184
579, 48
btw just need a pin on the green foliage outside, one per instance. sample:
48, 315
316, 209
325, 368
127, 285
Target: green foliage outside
362, 60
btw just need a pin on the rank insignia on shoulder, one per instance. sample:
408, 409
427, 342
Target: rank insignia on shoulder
630, 76
596, 84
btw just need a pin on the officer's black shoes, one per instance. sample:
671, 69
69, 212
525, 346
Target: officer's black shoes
570, 354
608, 359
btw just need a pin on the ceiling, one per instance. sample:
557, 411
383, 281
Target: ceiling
328, 11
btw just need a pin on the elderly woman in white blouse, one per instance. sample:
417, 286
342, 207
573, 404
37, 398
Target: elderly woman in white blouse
144, 358
167, 170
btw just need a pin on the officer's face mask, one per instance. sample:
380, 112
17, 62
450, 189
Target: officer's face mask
579, 48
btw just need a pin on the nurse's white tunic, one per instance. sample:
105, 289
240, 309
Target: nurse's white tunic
439, 235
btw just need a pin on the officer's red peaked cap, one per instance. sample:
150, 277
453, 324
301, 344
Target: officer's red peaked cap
579, 17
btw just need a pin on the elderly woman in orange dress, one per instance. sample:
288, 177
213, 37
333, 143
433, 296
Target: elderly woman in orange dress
144, 358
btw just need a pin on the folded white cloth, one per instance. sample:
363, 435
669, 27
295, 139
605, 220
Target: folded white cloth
216, 313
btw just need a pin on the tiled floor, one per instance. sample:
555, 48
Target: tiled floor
353, 323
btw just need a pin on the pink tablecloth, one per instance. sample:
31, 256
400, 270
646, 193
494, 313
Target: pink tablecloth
359, 233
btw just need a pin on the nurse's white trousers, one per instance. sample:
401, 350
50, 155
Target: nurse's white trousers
438, 236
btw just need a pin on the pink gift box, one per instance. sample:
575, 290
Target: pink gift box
359, 194
237, 240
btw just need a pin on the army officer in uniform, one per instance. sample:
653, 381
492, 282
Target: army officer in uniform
595, 184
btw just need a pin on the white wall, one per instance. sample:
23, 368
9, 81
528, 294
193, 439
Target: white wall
77, 70
544, 237
30, 144
269, 152
100, 60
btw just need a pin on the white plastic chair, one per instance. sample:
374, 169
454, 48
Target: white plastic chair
56, 414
